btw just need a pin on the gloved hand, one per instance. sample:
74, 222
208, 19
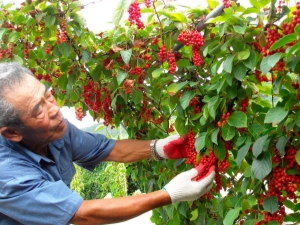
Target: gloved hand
171, 147
183, 188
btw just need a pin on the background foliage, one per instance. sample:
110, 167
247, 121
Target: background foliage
230, 86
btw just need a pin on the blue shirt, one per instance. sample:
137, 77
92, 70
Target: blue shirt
34, 190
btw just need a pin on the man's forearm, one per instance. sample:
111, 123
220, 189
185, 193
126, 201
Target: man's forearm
105, 211
127, 151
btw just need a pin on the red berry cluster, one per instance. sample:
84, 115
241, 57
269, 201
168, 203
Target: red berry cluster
295, 84
195, 103
91, 91
282, 185
46, 77
172, 62
288, 28
171, 128
128, 86
26, 51
106, 104
196, 40
244, 105
225, 117
227, 3
137, 71
47, 49
135, 15
145, 111
280, 4
58, 40
155, 41
162, 54
79, 113
190, 149
64, 31
260, 78
147, 3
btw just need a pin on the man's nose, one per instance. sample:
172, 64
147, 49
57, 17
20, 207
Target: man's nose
53, 109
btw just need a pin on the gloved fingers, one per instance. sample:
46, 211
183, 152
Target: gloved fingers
190, 173
206, 181
207, 188
200, 168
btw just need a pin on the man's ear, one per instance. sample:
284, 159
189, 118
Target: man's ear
11, 134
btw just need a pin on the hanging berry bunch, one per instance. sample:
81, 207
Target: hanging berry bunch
135, 15
196, 40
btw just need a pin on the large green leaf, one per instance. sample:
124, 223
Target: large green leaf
200, 141
231, 216
259, 145
242, 152
157, 72
212, 106
186, 97
137, 96
281, 143
121, 76
276, 115
228, 63
49, 20
237, 119
65, 49
126, 55
2, 31
262, 166
270, 204
283, 41
251, 60
120, 10
243, 55
269, 62
239, 71
297, 119
228, 132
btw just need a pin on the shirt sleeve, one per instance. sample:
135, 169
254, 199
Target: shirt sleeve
35, 201
88, 149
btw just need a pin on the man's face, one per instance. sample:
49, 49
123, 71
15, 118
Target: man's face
40, 112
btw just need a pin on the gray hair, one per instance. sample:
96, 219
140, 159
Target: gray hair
11, 74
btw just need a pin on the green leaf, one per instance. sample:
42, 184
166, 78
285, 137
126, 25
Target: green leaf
280, 145
276, 115
298, 157
228, 63
200, 141
243, 55
293, 49
186, 97
126, 55
65, 49
258, 145
49, 20
256, 129
297, 29
214, 136
179, 17
283, 41
183, 63
242, 152
173, 88
231, 216
270, 204
2, 32
269, 62
237, 119
297, 119
194, 215
121, 76
212, 106
239, 71
227, 132
156, 73
220, 151
119, 11
240, 29
251, 60
261, 167
86, 55
137, 96
14, 36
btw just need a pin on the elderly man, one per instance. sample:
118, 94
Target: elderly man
38, 148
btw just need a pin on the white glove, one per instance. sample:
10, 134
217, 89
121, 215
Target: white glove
182, 188
172, 147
